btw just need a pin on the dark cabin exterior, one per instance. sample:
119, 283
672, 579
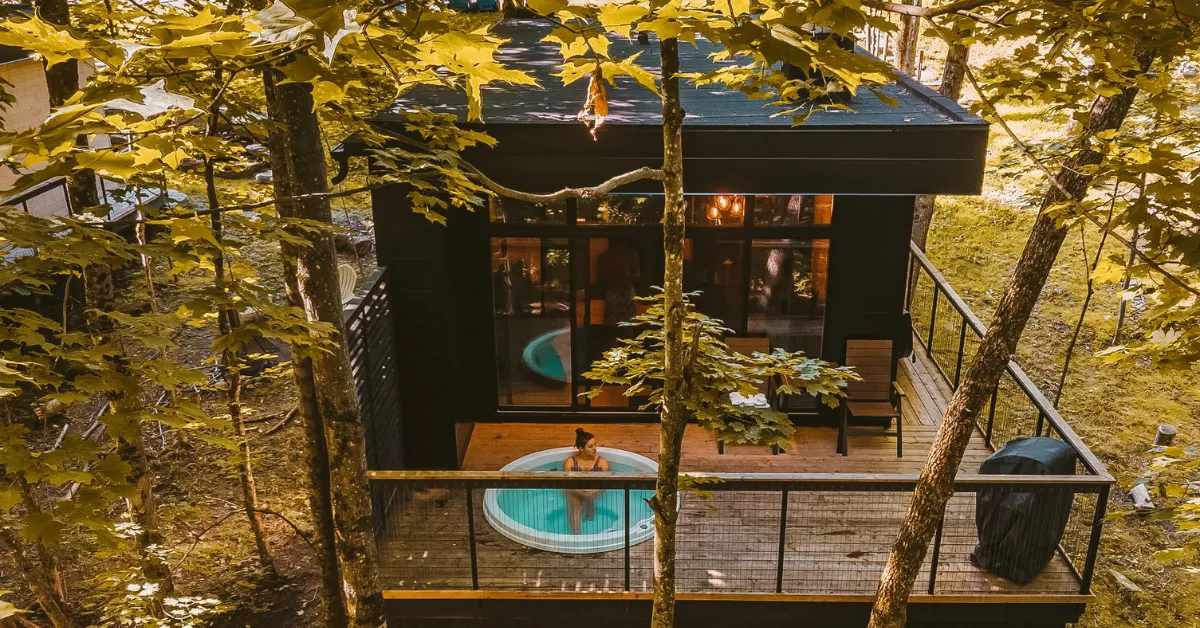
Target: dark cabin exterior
867, 163
798, 237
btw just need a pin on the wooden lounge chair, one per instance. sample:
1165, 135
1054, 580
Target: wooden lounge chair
876, 397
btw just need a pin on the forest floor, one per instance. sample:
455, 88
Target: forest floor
1116, 408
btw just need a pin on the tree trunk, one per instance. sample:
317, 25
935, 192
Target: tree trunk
336, 401
904, 48
1133, 242
955, 70
228, 320
936, 484
319, 494
951, 87
38, 580
673, 414
62, 81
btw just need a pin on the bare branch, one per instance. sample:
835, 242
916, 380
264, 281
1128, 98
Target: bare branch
917, 11
566, 193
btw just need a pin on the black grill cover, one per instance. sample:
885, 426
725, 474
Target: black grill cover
1020, 531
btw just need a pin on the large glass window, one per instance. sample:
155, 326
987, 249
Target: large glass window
616, 271
559, 300
530, 289
716, 268
792, 209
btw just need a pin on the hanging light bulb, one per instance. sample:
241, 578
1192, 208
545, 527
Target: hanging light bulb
723, 201
736, 210
714, 212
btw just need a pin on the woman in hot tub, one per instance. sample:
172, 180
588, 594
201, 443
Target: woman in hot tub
581, 503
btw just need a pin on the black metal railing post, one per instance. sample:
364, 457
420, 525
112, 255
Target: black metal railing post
937, 550
932, 322
962, 344
783, 504
627, 524
1040, 422
471, 540
912, 283
991, 416
1089, 565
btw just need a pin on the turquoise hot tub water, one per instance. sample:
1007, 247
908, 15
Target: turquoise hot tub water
538, 517
543, 359
545, 510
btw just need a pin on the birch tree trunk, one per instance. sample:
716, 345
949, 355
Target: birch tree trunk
335, 399
936, 484
319, 494
673, 414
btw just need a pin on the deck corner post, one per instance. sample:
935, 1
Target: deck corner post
1089, 566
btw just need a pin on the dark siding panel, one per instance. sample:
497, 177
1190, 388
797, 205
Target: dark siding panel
920, 160
421, 290
868, 270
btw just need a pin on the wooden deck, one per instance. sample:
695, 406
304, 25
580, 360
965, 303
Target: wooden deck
836, 542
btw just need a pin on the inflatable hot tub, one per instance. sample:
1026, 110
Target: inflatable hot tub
538, 517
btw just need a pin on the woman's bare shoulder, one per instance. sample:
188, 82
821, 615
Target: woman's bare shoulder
602, 464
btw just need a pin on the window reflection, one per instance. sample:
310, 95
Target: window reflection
719, 210
793, 209
617, 271
621, 209
506, 210
530, 279
716, 269
787, 293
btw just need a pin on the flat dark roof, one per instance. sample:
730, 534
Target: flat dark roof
631, 104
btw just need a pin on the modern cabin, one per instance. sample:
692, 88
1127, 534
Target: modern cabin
471, 340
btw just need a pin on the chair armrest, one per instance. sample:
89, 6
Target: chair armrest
897, 390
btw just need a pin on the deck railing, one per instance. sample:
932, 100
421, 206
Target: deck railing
800, 534
949, 333
369, 340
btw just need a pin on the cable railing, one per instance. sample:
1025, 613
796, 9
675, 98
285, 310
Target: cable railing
949, 333
769, 534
